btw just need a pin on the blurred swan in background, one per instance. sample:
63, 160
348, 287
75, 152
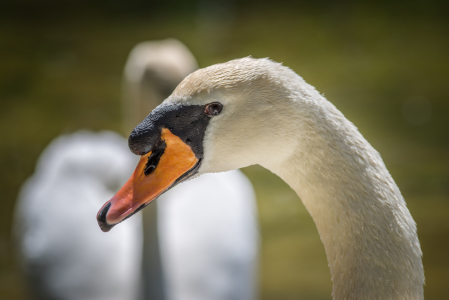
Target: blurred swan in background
200, 239
62, 253
204, 230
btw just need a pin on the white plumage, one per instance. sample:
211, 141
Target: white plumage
272, 117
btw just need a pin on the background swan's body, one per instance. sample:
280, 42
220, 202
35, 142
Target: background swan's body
61, 249
208, 238
207, 228
272, 117
205, 231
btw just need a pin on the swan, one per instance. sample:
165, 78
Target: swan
255, 111
65, 260
201, 239
60, 251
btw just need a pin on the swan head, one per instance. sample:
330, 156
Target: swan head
220, 118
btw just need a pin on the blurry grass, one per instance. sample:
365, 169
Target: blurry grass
62, 74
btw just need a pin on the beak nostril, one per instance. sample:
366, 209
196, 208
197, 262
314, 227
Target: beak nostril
101, 218
149, 169
153, 159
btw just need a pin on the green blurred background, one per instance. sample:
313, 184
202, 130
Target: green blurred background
384, 64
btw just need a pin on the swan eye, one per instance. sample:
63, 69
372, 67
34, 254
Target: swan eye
213, 109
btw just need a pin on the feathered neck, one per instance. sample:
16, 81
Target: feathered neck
368, 233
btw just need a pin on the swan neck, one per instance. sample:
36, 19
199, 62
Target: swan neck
369, 235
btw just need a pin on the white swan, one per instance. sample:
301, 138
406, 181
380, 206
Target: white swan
254, 111
64, 259
61, 251
203, 232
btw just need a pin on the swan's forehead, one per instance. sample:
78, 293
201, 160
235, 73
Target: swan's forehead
215, 82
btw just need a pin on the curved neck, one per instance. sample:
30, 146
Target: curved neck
368, 233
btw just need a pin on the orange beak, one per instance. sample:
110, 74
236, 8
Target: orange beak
155, 173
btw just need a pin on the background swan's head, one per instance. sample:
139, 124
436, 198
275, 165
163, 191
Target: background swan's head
220, 118
152, 71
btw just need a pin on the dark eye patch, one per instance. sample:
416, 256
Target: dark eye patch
185, 121
155, 156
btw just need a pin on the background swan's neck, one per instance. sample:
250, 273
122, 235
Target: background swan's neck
369, 235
